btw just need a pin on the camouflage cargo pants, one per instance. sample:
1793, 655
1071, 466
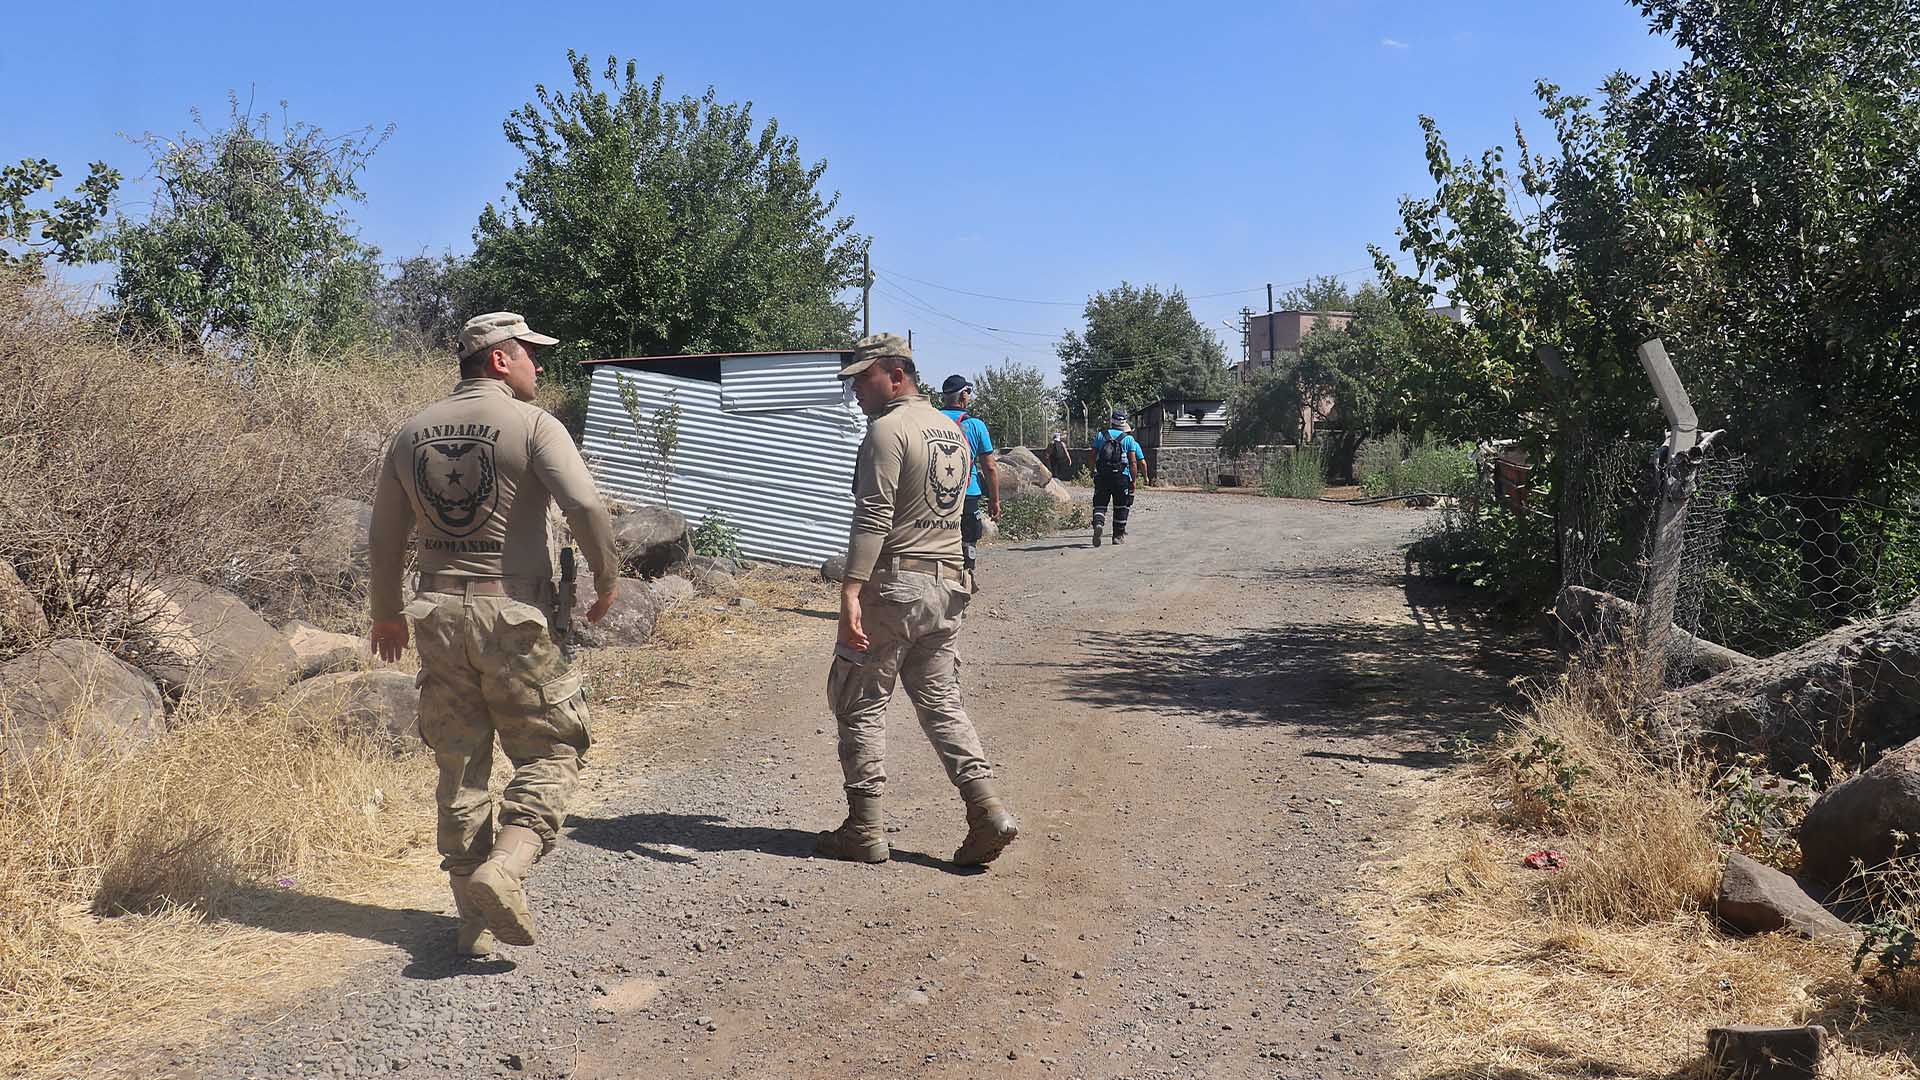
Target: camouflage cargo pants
912, 620
488, 668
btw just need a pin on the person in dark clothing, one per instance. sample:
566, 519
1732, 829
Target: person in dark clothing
1117, 460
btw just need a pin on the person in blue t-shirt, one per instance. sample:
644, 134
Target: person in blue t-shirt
1117, 460
956, 394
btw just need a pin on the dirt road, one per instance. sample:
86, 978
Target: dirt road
1209, 734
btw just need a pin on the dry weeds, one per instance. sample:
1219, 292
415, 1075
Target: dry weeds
131, 885
1612, 966
243, 857
125, 462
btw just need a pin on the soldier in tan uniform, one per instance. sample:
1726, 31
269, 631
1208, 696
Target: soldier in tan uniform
471, 477
900, 608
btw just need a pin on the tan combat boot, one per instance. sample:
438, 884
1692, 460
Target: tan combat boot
990, 825
473, 940
495, 885
860, 838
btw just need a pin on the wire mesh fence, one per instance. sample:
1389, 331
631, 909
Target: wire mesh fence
1757, 571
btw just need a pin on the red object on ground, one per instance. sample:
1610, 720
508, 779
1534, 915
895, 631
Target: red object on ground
1544, 860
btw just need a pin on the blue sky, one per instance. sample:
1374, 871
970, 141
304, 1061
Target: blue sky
1034, 151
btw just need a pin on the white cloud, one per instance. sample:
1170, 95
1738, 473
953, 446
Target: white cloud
1390, 43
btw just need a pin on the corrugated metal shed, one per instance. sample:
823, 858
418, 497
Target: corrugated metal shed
769, 443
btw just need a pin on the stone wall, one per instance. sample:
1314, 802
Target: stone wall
1198, 466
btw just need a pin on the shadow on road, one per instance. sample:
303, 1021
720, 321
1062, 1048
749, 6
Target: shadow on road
426, 936
1445, 671
656, 836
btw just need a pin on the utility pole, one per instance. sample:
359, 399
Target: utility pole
1246, 343
909, 337
866, 292
1270, 329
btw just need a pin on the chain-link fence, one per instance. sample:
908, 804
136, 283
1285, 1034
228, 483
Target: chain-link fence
1758, 572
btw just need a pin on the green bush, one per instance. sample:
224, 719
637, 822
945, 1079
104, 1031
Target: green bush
1486, 545
1025, 517
716, 537
1377, 455
1301, 474
1395, 465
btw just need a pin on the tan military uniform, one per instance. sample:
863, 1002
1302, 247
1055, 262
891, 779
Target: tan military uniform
909, 486
471, 476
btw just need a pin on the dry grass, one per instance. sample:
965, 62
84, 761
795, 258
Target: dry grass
235, 862
131, 886
228, 865
1611, 967
125, 461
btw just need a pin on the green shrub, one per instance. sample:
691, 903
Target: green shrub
1394, 465
1486, 545
716, 537
1301, 474
1025, 517
1083, 478
1377, 455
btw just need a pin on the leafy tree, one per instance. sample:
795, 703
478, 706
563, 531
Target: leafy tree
642, 225
31, 235
249, 241
1753, 207
1358, 366
1793, 133
427, 299
1324, 293
1140, 344
1016, 403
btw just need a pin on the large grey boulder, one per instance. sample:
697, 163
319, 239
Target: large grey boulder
713, 564
628, 622
1851, 695
1759, 899
384, 704
651, 540
714, 575
834, 569
334, 548
205, 642
76, 686
1019, 465
1857, 818
21, 618
1021, 473
1058, 492
321, 652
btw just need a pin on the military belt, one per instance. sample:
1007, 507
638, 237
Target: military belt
926, 566
528, 589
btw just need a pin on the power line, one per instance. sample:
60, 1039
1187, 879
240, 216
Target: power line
1081, 303
921, 303
984, 296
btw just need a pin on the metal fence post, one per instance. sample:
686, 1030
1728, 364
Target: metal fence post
1676, 473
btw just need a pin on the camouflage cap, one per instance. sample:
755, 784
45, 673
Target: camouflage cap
495, 327
875, 347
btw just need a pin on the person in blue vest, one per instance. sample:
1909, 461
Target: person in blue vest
1117, 460
956, 395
